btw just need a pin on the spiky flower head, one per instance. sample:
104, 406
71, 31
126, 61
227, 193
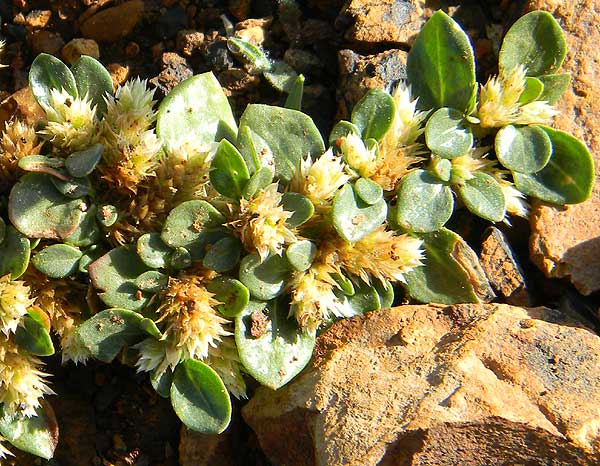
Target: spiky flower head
17, 140
225, 361
516, 201
320, 179
157, 355
72, 347
262, 223
465, 166
357, 156
14, 303
22, 384
188, 310
72, 122
4, 452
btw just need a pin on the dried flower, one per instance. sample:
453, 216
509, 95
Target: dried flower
157, 355
14, 302
18, 140
463, 167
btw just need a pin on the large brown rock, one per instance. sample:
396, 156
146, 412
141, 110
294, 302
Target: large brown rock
566, 241
433, 385
114, 23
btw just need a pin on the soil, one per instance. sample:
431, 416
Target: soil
108, 414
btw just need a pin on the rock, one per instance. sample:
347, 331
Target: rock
197, 449
502, 269
434, 385
239, 8
132, 49
118, 73
565, 241
46, 42
303, 61
170, 22
360, 73
21, 105
254, 31
237, 81
375, 23
189, 41
175, 70
218, 55
114, 23
78, 47
38, 19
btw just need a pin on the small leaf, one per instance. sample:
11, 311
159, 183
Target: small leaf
149, 326
161, 381
153, 251
107, 215
385, 293
82, 163
353, 218
195, 110
525, 149
37, 434
15, 252
364, 299
106, 333
424, 203
301, 254
228, 171
554, 86
57, 260
448, 134
223, 255
373, 114
341, 129
87, 232
199, 398
89, 256
152, 281
442, 168
43, 164
280, 353
247, 148
567, 178
261, 178
535, 41
180, 259
74, 188
483, 196
441, 66
294, 98
345, 284
264, 279
300, 206
533, 89
47, 73
93, 81
232, 295
281, 76
251, 53
368, 191
32, 335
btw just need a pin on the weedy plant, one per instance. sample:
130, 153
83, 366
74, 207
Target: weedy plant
202, 250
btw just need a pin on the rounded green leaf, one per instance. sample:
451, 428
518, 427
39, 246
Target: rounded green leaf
107, 215
441, 66
341, 129
87, 232
364, 299
533, 89
195, 110
300, 206
344, 283
301, 254
368, 191
223, 255
152, 281
352, 218
265, 279
37, 434
32, 335
149, 326
231, 293
228, 171
373, 114
161, 381
94, 252
73, 188
180, 259
47, 73
43, 164
554, 86
385, 291
424, 203
82, 163
448, 134
106, 333
153, 251
525, 149
280, 353
93, 81
38, 210
535, 41
261, 178
250, 52
15, 252
567, 178
200, 398
281, 76
442, 168
483, 196
57, 260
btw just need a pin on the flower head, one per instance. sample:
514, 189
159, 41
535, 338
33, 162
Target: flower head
72, 348
157, 355
225, 361
14, 303
357, 156
17, 140
474, 161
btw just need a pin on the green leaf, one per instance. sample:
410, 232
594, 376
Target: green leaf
228, 171
525, 149
294, 98
448, 134
533, 89
38, 210
264, 279
93, 81
442, 168
87, 232
106, 333
47, 73
73, 188
364, 299
554, 86
280, 353
567, 178
153, 251
287, 135
441, 65
300, 206
32, 335
301, 254
149, 326
82, 163
180, 259
424, 203
193, 225
37, 434
43, 164
15, 252
368, 191
385, 293
261, 178
256, 56
451, 272
341, 129
483, 196
223, 255
115, 274
89, 256
152, 281
195, 110
161, 381
281, 76
535, 41
246, 146
199, 398
352, 218
373, 114
232, 294
57, 260
107, 215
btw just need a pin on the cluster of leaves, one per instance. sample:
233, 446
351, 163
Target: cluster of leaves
215, 248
